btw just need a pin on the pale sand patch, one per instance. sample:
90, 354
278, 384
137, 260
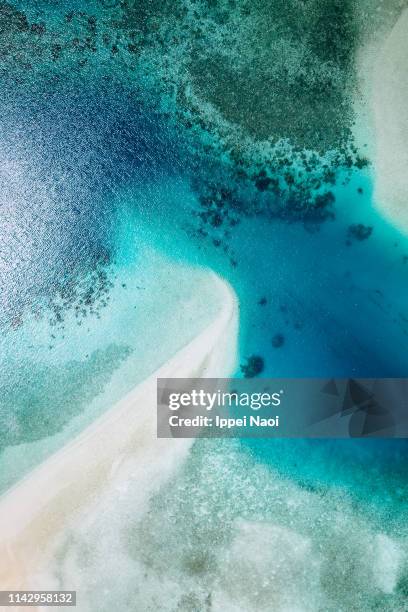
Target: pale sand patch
389, 100
36, 510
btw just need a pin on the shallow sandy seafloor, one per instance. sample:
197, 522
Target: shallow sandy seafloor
119, 448
226, 534
389, 100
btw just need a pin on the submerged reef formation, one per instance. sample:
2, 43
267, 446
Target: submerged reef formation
54, 394
278, 340
360, 232
253, 366
260, 96
265, 90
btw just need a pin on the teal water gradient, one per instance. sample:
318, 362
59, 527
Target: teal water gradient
98, 187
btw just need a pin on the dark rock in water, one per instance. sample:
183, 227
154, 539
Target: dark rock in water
324, 199
38, 28
361, 162
358, 231
11, 19
56, 51
278, 340
253, 367
262, 183
216, 220
263, 301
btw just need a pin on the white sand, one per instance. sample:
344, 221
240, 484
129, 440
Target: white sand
389, 102
37, 509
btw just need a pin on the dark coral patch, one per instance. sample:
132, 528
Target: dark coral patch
278, 340
253, 366
360, 232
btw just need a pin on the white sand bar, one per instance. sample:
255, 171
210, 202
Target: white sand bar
39, 507
390, 110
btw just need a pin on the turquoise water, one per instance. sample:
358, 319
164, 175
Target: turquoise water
69, 354
104, 274
342, 311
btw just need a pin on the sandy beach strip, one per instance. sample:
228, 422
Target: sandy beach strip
389, 96
37, 509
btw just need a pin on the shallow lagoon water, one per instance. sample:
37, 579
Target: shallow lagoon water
303, 525
341, 310
58, 377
